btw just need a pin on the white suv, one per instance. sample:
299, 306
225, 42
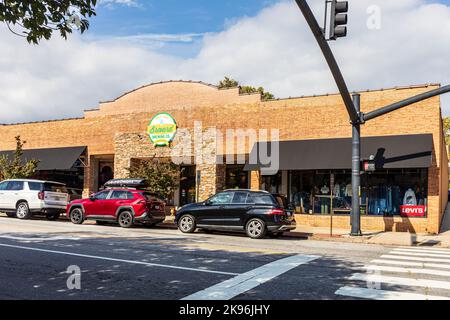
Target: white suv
21, 198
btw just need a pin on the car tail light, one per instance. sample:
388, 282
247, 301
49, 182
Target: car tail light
41, 195
142, 202
277, 212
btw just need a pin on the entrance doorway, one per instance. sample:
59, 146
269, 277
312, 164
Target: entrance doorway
187, 185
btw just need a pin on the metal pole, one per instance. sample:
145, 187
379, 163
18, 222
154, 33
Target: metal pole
424, 96
356, 171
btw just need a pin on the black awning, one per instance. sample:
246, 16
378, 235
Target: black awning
51, 159
392, 152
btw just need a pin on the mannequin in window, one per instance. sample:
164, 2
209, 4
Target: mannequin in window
410, 198
325, 189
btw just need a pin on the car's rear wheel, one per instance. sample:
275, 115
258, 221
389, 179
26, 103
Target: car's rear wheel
23, 211
186, 224
76, 216
125, 219
53, 216
256, 228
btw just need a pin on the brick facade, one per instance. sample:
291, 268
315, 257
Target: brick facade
117, 130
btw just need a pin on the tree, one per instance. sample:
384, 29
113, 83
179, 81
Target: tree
447, 130
231, 83
17, 167
38, 19
163, 177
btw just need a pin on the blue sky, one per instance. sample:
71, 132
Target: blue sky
172, 16
258, 42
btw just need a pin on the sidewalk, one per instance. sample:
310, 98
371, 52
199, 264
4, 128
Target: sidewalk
342, 235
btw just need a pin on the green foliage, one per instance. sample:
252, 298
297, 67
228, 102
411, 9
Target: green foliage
39, 18
447, 130
231, 83
16, 168
163, 177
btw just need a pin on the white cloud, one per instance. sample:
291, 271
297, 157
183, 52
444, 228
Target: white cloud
274, 49
111, 3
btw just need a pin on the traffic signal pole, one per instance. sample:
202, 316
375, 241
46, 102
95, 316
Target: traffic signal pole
352, 104
355, 218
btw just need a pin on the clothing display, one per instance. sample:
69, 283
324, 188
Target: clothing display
337, 190
325, 190
348, 190
410, 198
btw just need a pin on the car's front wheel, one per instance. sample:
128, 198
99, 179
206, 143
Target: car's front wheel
186, 224
125, 219
76, 216
23, 211
256, 228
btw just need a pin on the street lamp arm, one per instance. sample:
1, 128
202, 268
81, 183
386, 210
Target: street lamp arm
323, 44
404, 103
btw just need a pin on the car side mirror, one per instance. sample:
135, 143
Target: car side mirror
92, 197
207, 203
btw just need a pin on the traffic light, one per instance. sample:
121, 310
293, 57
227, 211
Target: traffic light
338, 19
369, 166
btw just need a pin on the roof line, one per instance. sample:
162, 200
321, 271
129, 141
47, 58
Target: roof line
361, 91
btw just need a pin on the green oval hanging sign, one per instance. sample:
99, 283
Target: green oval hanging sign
162, 129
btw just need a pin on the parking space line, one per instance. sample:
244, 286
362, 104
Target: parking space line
233, 287
118, 260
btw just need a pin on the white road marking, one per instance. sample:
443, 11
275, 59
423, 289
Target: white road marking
443, 253
118, 260
373, 294
411, 264
55, 238
425, 283
441, 273
416, 254
249, 280
389, 256
426, 249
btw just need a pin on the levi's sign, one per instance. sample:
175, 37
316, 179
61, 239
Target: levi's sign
412, 211
162, 129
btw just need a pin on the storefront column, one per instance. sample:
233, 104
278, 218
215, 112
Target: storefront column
255, 180
212, 178
90, 177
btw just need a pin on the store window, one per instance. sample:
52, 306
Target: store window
271, 184
383, 193
236, 177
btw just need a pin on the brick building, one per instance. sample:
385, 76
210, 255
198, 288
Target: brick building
314, 154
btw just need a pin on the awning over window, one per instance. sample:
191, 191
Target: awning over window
52, 159
408, 151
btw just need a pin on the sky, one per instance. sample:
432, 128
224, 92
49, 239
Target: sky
262, 43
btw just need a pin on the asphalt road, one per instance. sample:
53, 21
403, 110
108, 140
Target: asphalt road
157, 263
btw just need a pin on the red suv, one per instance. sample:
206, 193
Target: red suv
118, 204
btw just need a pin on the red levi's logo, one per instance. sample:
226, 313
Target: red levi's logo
413, 211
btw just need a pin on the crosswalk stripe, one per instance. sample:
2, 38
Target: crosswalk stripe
384, 294
420, 254
447, 254
426, 249
411, 264
390, 256
246, 281
409, 270
375, 278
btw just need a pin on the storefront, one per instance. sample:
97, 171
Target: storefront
188, 122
